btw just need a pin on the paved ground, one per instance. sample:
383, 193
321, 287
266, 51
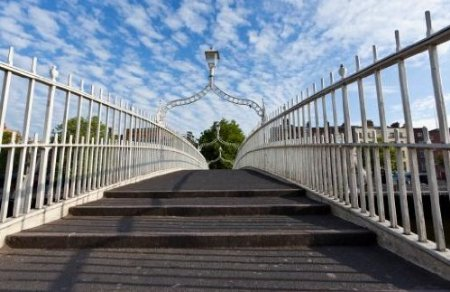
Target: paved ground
216, 179
150, 224
204, 202
296, 269
314, 258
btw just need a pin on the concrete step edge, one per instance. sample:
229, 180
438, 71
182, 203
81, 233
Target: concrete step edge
202, 193
191, 240
200, 210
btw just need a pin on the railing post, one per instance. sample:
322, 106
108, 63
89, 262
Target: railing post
5, 93
439, 100
350, 151
46, 140
434, 195
63, 141
367, 177
69, 176
20, 191
89, 149
51, 180
386, 152
412, 152
30, 176
402, 186
81, 173
337, 169
8, 177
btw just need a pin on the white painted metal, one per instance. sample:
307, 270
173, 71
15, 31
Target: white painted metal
5, 93
378, 180
386, 152
7, 183
211, 87
434, 195
350, 153
51, 181
401, 183
20, 189
362, 173
439, 98
30, 176
43, 164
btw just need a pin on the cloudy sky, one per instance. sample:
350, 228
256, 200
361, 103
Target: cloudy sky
151, 51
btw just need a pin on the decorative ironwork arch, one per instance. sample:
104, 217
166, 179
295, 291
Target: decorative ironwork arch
217, 139
220, 158
212, 58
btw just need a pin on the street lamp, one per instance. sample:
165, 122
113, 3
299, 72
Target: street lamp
212, 58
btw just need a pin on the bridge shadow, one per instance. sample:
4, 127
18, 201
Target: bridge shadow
268, 177
319, 268
181, 181
80, 259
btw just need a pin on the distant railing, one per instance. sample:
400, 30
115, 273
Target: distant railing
101, 144
348, 164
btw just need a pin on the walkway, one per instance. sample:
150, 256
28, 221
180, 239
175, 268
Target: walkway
205, 230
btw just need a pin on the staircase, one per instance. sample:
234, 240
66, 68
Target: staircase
205, 231
200, 209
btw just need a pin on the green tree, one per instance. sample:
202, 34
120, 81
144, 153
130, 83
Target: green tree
71, 131
84, 125
230, 132
393, 154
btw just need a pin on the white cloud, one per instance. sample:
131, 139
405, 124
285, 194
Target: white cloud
43, 21
264, 41
363, 23
227, 23
192, 15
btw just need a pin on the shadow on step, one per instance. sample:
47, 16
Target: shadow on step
266, 269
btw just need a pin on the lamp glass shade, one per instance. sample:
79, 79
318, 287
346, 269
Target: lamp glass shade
212, 57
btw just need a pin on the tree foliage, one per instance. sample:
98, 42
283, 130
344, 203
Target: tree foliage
229, 132
392, 153
84, 126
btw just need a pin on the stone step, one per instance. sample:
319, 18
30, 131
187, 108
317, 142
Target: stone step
192, 232
133, 193
192, 240
207, 183
208, 206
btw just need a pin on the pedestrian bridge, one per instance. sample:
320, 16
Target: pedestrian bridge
123, 202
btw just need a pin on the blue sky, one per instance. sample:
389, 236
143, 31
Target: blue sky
151, 51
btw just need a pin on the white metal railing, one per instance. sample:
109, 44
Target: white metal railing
336, 162
111, 143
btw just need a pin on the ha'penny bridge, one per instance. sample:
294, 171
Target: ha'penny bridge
124, 202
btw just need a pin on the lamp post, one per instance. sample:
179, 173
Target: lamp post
212, 58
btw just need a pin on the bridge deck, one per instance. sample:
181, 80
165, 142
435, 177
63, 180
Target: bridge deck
291, 269
234, 230
211, 180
